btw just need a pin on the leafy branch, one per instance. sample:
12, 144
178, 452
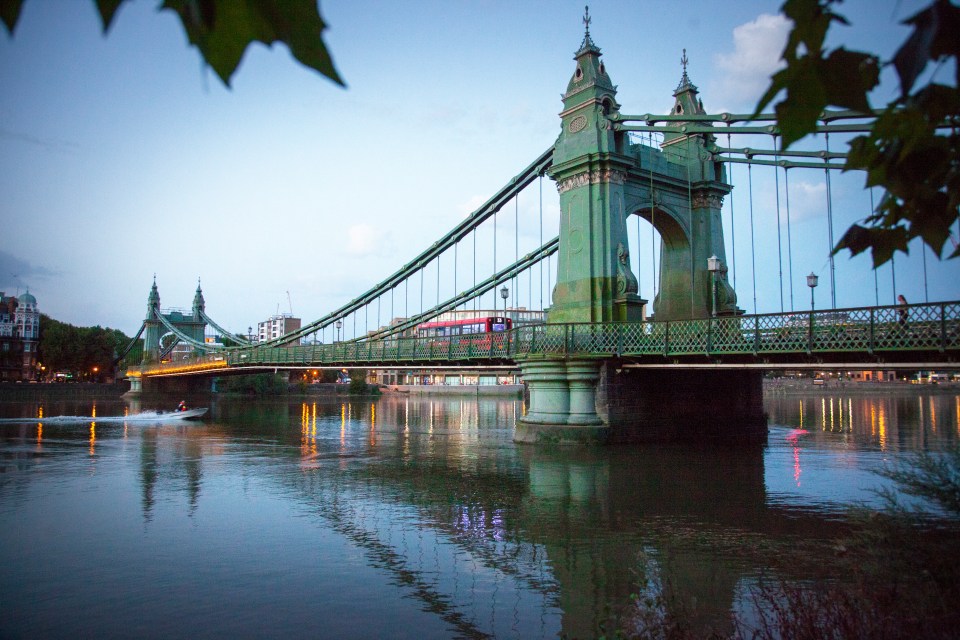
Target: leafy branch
913, 148
223, 29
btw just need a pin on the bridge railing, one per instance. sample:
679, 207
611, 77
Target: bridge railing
922, 327
919, 327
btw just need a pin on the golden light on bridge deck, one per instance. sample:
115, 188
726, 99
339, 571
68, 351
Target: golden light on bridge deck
166, 369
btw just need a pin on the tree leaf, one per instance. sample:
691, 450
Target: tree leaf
848, 76
911, 58
223, 29
881, 242
108, 9
10, 13
798, 112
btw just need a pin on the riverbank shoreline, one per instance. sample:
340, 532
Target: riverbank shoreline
13, 391
788, 386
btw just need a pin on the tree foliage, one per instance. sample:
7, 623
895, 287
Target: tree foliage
223, 29
913, 148
256, 384
78, 350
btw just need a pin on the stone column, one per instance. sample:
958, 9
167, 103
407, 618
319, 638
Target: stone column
582, 376
562, 403
549, 393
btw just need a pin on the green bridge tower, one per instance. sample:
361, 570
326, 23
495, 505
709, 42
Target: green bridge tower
194, 326
604, 179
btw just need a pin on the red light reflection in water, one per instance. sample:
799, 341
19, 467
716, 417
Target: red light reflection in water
794, 439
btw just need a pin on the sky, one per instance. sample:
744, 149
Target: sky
123, 158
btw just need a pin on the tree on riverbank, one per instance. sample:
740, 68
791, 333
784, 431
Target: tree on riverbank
256, 384
87, 353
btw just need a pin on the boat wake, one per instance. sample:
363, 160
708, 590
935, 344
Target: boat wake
143, 416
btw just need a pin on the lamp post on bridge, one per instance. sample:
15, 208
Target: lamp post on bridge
812, 283
713, 266
339, 326
504, 293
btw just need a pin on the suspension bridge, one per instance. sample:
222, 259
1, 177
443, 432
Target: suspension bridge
598, 366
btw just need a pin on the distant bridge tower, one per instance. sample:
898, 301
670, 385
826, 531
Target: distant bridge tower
151, 334
193, 326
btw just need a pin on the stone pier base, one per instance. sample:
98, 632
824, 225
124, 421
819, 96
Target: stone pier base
136, 387
594, 402
562, 403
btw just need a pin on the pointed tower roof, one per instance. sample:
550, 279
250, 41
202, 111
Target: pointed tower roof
587, 44
590, 77
154, 298
589, 100
686, 100
198, 302
198, 296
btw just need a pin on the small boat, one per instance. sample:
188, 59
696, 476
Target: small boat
158, 416
184, 415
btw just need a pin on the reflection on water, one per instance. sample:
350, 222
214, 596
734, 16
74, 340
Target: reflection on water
898, 422
411, 517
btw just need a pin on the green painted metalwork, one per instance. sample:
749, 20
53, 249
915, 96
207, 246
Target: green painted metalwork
603, 178
459, 232
187, 328
867, 330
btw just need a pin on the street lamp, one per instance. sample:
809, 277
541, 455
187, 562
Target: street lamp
504, 293
713, 266
339, 326
812, 283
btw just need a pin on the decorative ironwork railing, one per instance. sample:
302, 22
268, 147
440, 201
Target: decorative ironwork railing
869, 330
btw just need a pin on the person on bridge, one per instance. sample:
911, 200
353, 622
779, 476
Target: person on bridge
902, 310
182, 406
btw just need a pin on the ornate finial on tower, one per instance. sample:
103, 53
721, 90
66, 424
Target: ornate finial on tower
587, 41
685, 79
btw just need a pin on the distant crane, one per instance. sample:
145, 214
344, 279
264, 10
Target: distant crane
290, 302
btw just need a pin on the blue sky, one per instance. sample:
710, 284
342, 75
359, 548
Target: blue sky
121, 157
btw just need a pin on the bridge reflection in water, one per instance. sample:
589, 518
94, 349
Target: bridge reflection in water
456, 523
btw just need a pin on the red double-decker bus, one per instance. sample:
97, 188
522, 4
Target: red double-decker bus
474, 334
464, 327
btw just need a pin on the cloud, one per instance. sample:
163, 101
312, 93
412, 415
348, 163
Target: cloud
808, 200
745, 72
16, 272
363, 239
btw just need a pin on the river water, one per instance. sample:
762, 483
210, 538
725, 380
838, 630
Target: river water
416, 518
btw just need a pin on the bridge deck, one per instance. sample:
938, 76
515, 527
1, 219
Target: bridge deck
928, 333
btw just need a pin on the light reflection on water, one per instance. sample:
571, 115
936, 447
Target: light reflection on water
409, 517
